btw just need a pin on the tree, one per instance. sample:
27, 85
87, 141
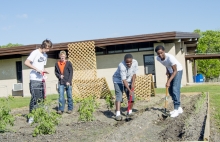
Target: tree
10, 45
209, 43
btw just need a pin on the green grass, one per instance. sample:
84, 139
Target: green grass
19, 102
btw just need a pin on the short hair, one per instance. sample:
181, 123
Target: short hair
62, 52
159, 47
128, 56
46, 43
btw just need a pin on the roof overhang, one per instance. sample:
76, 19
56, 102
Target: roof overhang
102, 43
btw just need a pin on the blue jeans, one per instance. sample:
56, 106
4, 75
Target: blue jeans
174, 89
61, 89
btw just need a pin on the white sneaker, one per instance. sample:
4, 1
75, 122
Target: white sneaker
175, 113
180, 110
172, 111
30, 120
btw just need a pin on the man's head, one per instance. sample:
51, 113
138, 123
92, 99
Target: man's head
128, 60
46, 45
62, 56
160, 50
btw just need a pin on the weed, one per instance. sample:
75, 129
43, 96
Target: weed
109, 102
87, 108
45, 119
200, 102
5, 117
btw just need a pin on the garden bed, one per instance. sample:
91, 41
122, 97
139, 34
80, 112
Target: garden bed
147, 124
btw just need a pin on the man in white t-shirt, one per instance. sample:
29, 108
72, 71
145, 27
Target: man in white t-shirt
36, 61
174, 73
124, 80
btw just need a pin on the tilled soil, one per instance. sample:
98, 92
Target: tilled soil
147, 124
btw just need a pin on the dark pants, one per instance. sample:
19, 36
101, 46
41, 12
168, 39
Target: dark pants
174, 89
37, 93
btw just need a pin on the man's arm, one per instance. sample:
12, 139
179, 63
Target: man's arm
28, 64
133, 81
126, 85
57, 73
71, 72
172, 76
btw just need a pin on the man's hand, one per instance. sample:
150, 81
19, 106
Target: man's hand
67, 83
61, 76
46, 72
39, 71
168, 84
132, 86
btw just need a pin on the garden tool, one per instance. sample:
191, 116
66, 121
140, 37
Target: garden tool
165, 114
129, 103
44, 83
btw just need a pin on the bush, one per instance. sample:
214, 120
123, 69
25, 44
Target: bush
45, 119
5, 117
87, 108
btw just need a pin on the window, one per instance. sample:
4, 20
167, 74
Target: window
146, 46
99, 51
130, 48
19, 71
126, 48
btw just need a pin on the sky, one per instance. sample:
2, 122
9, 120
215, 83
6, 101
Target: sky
31, 21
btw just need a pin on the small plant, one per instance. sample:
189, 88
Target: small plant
87, 108
109, 102
5, 117
78, 100
45, 119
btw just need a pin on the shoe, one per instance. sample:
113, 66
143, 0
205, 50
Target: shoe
130, 114
59, 112
69, 111
30, 120
180, 110
175, 113
118, 118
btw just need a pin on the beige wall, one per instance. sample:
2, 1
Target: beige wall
8, 77
107, 64
180, 56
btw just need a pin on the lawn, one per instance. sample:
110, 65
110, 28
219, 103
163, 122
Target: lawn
19, 102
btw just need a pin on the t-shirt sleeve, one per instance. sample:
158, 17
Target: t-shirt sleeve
122, 72
173, 60
32, 56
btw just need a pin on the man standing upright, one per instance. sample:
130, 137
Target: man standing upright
174, 72
36, 61
64, 73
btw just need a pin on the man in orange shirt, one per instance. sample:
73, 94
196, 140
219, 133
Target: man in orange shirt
64, 73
